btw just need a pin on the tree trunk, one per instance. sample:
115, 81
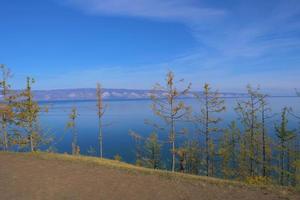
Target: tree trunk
74, 142
31, 137
263, 143
207, 137
288, 167
252, 138
282, 163
5, 136
100, 138
173, 146
173, 136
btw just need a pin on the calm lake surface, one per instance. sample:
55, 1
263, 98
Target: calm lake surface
125, 115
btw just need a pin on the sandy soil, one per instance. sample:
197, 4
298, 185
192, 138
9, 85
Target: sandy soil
29, 177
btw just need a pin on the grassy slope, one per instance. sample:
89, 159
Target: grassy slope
92, 162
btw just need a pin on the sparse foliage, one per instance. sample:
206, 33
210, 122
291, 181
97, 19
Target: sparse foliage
248, 111
27, 113
101, 110
168, 104
230, 151
72, 125
138, 140
207, 122
6, 111
285, 137
266, 152
190, 157
152, 151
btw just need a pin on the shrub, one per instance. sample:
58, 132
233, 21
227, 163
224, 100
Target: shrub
258, 180
117, 157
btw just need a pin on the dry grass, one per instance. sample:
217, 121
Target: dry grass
161, 173
62, 176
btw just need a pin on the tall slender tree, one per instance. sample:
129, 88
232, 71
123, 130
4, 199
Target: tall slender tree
284, 136
207, 122
230, 151
72, 125
152, 151
147, 150
101, 110
297, 161
248, 114
27, 113
190, 154
265, 115
5, 109
138, 145
168, 105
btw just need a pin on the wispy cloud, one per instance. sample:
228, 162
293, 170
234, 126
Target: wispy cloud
247, 29
171, 10
239, 40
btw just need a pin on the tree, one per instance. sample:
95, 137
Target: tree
27, 112
101, 110
152, 151
118, 158
265, 109
5, 108
147, 150
190, 156
248, 114
206, 121
243, 158
168, 105
297, 161
229, 151
138, 139
291, 111
297, 172
284, 136
72, 125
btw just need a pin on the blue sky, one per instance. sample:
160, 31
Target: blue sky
133, 43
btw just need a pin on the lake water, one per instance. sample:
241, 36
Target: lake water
123, 116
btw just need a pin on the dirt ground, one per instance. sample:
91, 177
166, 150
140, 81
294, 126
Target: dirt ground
24, 177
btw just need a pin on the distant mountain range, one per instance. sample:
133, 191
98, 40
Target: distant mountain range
114, 94
108, 94
89, 94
